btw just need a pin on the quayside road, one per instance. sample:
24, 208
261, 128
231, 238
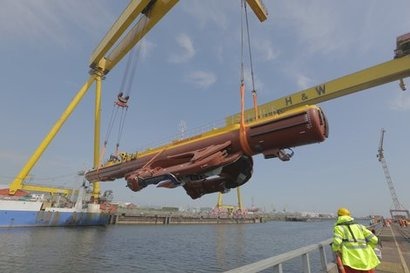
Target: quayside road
395, 247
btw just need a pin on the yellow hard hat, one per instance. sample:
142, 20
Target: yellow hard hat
343, 212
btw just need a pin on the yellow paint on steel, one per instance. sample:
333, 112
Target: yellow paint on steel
380, 74
117, 29
18, 180
97, 133
219, 204
176, 143
155, 13
238, 194
42, 188
211, 133
159, 8
259, 9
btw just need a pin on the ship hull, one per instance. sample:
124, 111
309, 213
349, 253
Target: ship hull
29, 214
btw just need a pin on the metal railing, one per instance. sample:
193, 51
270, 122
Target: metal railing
276, 262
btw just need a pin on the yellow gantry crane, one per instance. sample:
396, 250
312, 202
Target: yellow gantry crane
118, 41
121, 38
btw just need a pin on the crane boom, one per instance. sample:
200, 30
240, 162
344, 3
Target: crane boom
382, 160
397, 206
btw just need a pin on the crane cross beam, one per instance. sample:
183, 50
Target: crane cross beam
117, 29
153, 11
389, 71
259, 9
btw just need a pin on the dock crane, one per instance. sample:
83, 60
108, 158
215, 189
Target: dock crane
203, 163
399, 210
113, 48
109, 52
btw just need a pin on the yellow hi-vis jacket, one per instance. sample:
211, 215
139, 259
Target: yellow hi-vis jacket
355, 243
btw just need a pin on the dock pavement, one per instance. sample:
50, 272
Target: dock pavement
395, 248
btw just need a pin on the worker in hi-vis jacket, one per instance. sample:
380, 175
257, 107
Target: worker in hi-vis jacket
354, 244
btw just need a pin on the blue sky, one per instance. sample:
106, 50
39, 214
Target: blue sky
188, 72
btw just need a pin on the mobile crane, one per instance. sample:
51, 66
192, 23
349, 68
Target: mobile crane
399, 210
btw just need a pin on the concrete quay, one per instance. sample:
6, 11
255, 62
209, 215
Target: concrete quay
395, 247
175, 220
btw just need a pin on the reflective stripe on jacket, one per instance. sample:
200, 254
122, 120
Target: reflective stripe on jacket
355, 242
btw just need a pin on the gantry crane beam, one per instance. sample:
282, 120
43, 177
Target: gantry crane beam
117, 29
151, 13
380, 74
259, 9
52, 190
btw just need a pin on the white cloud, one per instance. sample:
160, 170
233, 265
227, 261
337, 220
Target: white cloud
201, 79
146, 47
303, 81
188, 50
315, 22
401, 102
265, 50
51, 21
211, 12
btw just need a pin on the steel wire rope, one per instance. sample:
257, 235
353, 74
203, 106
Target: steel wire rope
249, 48
128, 83
254, 95
242, 130
125, 92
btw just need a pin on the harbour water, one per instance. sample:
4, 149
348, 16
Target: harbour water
153, 248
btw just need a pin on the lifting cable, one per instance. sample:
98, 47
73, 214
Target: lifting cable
120, 105
242, 132
254, 95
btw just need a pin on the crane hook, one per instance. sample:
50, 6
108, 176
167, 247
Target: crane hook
402, 85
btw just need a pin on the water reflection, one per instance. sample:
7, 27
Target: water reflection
152, 248
230, 243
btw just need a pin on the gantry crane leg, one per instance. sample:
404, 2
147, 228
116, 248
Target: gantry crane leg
18, 180
97, 130
220, 205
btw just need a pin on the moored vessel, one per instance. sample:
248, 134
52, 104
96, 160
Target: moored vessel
27, 209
